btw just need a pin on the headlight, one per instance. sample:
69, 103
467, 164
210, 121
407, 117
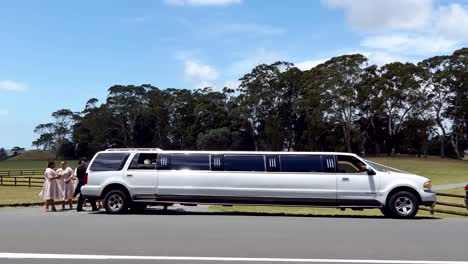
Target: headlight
427, 185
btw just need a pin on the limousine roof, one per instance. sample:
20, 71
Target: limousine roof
157, 150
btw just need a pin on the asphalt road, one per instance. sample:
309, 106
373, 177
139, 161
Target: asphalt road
230, 238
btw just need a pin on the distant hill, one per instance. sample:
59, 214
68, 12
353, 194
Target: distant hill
34, 155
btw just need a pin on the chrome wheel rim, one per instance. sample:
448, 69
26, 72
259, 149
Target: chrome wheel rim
404, 205
115, 202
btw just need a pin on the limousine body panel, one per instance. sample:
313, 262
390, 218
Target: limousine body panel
246, 184
261, 178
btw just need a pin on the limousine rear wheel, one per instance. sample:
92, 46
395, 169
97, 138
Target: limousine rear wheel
116, 202
403, 204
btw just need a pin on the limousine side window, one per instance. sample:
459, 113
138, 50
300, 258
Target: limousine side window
244, 163
349, 164
144, 161
190, 162
109, 162
217, 162
301, 163
163, 162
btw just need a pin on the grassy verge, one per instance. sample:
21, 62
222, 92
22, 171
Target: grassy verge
336, 212
440, 171
11, 194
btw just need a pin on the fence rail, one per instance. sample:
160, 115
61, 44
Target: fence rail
27, 178
433, 210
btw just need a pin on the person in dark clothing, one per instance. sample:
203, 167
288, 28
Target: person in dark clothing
80, 174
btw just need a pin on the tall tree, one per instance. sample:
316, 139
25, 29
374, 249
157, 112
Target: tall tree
458, 111
401, 93
339, 79
439, 92
3, 154
262, 94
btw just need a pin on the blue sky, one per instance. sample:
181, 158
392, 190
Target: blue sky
58, 54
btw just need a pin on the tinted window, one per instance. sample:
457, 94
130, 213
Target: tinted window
244, 163
190, 162
163, 162
109, 162
272, 162
144, 161
301, 163
217, 162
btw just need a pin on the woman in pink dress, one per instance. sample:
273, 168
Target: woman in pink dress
51, 189
66, 183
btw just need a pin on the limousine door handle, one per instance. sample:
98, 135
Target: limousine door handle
129, 175
345, 179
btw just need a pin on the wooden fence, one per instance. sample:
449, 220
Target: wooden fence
462, 204
29, 178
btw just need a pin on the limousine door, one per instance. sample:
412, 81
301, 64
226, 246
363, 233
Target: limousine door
355, 186
141, 176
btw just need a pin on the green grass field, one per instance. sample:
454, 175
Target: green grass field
11, 194
440, 171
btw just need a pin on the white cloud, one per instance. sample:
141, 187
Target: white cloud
309, 64
10, 85
202, 2
233, 84
375, 15
452, 20
374, 57
200, 74
409, 27
416, 44
381, 58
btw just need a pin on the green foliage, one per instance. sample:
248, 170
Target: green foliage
3, 154
214, 139
343, 104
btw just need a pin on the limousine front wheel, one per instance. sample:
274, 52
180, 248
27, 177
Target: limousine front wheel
116, 202
403, 204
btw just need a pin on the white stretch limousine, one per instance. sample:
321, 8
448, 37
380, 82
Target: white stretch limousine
136, 178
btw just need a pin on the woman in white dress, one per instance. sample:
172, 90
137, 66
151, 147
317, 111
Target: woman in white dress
66, 183
51, 189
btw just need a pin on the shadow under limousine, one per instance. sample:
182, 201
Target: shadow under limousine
189, 212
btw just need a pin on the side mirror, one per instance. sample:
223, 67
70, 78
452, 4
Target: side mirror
369, 170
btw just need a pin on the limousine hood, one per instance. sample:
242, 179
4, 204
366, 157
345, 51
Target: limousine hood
419, 180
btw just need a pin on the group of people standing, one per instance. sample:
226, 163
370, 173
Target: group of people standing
63, 185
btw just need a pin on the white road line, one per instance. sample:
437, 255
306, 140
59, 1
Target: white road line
231, 259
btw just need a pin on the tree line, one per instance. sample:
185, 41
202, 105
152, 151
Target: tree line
343, 104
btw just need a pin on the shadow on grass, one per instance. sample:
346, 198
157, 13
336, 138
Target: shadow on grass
182, 212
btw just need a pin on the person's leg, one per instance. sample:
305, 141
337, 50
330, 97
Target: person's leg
79, 206
70, 202
63, 204
93, 204
52, 202
46, 205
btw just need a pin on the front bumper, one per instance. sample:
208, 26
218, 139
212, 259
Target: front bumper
428, 198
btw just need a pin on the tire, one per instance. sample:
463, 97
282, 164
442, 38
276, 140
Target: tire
116, 202
138, 207
386, 212
403, 205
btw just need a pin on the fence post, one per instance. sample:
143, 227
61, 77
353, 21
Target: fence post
29, 182
1, 180
15, 181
